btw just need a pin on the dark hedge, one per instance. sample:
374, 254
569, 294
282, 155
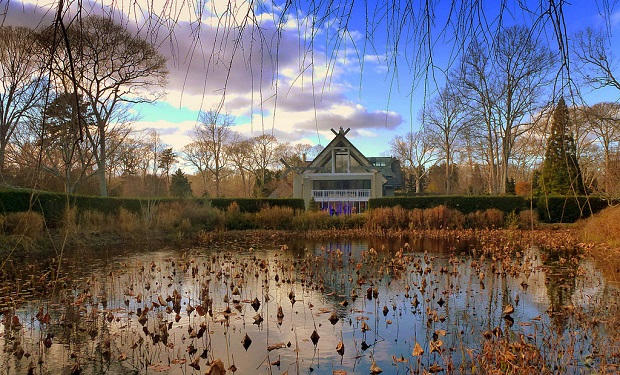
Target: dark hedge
551, 209
253, 205
52, 205
465, 204
568, 209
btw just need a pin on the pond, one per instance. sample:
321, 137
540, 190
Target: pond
337, 306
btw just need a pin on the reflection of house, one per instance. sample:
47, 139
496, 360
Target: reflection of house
342, 180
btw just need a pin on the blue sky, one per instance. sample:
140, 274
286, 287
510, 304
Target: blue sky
307, 89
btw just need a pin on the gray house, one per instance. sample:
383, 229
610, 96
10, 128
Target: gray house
342, 180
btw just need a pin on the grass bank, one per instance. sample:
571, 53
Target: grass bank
602, 233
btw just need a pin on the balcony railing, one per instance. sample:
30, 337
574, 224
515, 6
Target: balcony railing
361, 195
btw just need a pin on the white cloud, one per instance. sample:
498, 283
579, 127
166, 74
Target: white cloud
270, 73
175, 134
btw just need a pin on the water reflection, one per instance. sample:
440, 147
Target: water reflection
307, 306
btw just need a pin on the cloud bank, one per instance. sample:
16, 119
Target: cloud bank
275, 74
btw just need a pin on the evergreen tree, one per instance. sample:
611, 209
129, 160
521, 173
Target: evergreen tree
180, 185
166, 159
560, 170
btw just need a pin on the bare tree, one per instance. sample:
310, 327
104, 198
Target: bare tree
597, 63
445, 119
295, 154
475, 84
416, 154
210, 138
504, 82
166, 161
523, 65
604, 124
113, 71
21, 81
240, 152
64, 155
264, 157
197, 157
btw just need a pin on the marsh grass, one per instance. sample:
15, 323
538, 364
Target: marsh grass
91, 221
604, 227
275, 218
602, 232
528, 219
487, 219
128, 222
500, 356
29, 224
69, 221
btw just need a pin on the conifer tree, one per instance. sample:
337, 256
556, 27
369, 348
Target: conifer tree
180, 185
560, 171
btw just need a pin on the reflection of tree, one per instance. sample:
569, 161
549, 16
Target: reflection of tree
560, 281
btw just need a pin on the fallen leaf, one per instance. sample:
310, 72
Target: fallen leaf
160, 367
417, 350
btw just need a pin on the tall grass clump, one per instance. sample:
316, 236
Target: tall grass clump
92, 221
69, 220
387, 218
416, 219
487, 219
442, 217
203, 216
528, 219
603, 227
167, 215
279, 217
313, 220
28, 224
235, 219
128, 222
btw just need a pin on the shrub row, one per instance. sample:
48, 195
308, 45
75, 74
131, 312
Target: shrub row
464, 204
248, 213
442, 217
551, 209
567, 209
254, 205
53, 205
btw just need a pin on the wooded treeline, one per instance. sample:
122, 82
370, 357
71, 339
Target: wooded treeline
66, 122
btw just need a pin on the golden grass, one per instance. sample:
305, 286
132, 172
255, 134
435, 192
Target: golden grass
487, 219
602, 232
91, 221
167, 215
312, 220
29, 224
398, 218
275, 218
528, 219
128, 222
604, 227
504, 356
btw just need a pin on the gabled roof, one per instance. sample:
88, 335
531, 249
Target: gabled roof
390, 169
322, 160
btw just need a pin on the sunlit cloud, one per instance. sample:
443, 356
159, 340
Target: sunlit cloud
273, 73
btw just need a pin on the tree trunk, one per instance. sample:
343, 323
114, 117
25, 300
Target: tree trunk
448, 177
418, 184
101, 163
2, 157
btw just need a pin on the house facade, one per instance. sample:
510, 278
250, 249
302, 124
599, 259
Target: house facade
342, 180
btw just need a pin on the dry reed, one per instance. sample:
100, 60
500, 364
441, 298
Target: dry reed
29, 224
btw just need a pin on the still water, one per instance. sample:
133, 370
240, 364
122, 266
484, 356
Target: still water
353, 306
